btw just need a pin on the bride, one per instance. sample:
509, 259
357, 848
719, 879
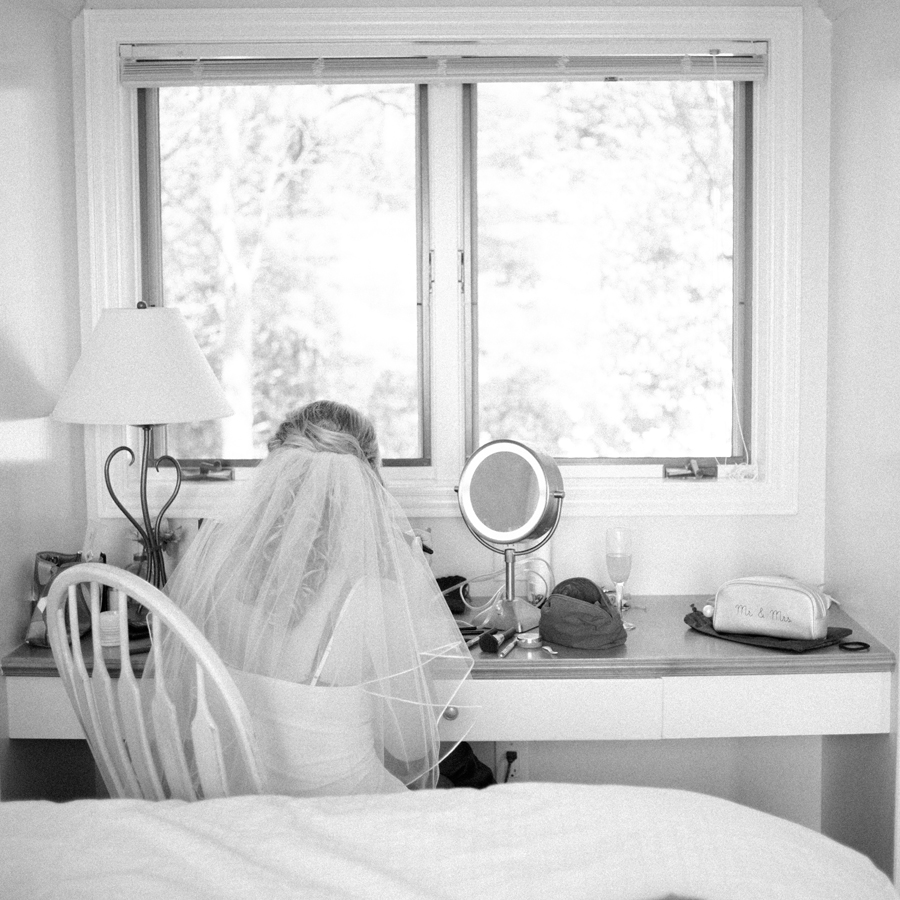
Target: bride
315, 595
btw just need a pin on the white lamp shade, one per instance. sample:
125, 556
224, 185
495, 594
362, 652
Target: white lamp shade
141, 367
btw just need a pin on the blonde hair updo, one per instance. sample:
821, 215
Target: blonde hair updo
332, 427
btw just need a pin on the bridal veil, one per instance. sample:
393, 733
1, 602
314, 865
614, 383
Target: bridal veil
314, 593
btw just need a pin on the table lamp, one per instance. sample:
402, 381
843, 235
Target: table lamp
142, 367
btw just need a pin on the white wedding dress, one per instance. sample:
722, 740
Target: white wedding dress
315, 740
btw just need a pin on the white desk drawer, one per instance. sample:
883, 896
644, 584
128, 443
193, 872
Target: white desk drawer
569, 709
756, 705
39, 709
562, 709
489, 710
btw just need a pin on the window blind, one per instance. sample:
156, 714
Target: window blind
139, 69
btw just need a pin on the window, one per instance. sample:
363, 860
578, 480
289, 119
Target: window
287, 237
457, 336
611, 311
602, 251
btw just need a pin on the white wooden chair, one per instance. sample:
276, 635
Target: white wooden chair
144, 749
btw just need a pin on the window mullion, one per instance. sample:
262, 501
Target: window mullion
150, 197
469, 185
448, 317
425, 258
743, 270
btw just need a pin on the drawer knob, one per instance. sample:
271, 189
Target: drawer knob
451, 712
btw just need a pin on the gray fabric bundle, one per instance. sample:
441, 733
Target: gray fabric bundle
582, 624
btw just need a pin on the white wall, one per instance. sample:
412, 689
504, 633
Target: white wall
42, 505
862, 536
864, 323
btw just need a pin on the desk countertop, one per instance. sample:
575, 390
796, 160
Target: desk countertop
26, 660
661, 644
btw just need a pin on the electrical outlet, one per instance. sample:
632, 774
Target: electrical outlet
508, 769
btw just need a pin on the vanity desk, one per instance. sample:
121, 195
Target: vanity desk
666, 681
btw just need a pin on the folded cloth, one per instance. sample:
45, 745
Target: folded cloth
586, 626
704, 624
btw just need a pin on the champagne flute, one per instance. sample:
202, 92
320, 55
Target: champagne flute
618, 563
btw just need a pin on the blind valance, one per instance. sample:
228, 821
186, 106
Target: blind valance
143, 70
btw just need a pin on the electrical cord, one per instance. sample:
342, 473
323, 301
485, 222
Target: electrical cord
529, 566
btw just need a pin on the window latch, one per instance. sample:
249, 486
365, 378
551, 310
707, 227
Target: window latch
214, 470
693, 470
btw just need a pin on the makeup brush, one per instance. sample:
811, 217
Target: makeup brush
492, 642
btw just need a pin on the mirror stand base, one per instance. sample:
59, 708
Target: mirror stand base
518, 613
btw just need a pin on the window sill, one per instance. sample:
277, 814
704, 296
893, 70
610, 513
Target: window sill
591, 496
586, 496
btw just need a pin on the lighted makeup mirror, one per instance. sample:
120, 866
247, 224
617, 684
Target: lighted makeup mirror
510, 493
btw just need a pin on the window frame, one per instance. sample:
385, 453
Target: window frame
109, 220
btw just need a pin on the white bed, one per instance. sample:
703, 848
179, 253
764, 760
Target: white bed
509, 841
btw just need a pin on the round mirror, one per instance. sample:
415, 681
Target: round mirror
509, 492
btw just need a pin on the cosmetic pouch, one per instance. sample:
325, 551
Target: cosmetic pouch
771, 605
571, 622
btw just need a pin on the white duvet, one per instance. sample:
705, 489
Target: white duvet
510, 841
